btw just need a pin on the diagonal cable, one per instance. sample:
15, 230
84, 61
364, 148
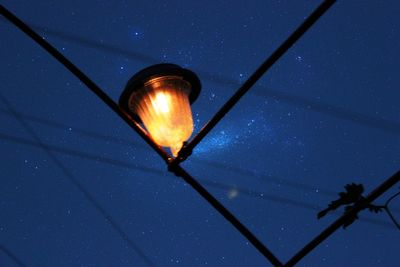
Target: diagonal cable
77, 184
276, 55
12, 256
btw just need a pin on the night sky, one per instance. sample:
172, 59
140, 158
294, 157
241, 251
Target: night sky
80, 188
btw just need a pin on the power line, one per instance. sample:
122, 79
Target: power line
276, 180
288, 201
12, 256
81, 154
77, 184
58, 125
388, 126
220, 186
118, 140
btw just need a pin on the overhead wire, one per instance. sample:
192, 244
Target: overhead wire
12, 256
108, 138
118, 140
147, 170
68, 174
387, 126
199, 161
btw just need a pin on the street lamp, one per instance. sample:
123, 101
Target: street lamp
159, 97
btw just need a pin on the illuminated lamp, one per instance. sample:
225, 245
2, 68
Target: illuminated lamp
160, 97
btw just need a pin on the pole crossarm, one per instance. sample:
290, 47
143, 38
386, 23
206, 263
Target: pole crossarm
378, 191
271, 60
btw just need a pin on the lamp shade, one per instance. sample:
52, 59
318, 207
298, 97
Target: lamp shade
160, 98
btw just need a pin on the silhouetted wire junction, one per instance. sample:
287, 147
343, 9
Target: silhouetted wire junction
174, 163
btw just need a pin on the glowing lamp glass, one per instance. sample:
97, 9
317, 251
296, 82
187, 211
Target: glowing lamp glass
164, 108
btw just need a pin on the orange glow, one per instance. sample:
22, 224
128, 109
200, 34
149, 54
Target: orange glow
164, 108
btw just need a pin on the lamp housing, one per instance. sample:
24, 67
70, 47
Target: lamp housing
160, 97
